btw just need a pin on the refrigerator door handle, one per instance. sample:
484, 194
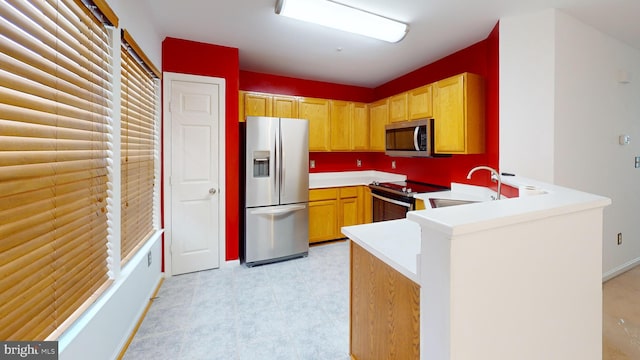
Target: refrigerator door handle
278, 210
282, 167
276, 162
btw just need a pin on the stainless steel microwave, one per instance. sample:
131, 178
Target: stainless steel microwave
409, 138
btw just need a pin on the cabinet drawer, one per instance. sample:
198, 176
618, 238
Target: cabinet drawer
323, 194
347, 192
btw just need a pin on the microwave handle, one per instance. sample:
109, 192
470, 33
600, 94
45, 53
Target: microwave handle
416, 132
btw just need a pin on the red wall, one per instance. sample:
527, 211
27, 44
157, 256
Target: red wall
190, 57
274, 84
480, 58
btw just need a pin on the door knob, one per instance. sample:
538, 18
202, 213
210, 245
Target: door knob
212, 191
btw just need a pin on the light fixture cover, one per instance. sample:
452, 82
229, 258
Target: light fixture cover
343, 17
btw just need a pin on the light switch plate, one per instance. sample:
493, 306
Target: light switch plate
624, 139
637, 161
312, 164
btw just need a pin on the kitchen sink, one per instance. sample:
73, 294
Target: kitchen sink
438, 202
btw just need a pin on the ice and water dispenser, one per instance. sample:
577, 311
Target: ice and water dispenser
261, 163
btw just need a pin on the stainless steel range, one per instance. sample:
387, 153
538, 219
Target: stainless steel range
392, 200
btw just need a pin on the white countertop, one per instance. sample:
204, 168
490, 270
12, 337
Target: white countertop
351, 178
396, 242
551, 200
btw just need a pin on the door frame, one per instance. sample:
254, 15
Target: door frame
167, 79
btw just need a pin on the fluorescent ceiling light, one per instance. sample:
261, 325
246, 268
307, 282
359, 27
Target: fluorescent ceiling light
343, 17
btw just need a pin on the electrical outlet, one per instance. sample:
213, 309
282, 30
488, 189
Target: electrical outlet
149, 259
619, 238
393, 164
359, 163
312, 164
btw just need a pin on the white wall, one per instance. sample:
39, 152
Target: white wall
133, 16
527, 95
551, 54
104, 329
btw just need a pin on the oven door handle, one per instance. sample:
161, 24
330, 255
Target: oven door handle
400, 203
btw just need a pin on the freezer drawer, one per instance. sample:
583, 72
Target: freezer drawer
274, 233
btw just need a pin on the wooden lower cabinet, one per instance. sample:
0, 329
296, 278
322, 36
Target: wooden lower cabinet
385, 310
332, 208
420, 204
367, 206
323, 214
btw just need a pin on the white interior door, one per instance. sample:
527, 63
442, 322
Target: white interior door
195, 116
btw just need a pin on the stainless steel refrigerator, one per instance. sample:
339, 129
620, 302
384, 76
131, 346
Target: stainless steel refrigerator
277, 190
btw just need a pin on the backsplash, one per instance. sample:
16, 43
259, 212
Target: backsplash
439, 171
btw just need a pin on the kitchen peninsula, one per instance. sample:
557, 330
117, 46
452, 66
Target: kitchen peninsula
518, 278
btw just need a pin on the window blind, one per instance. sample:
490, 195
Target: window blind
55, 126
139, 146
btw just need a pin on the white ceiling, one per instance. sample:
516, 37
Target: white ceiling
277, 45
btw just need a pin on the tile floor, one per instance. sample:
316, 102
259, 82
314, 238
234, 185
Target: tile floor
297, 309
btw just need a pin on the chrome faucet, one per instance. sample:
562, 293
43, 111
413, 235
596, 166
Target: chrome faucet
494, 176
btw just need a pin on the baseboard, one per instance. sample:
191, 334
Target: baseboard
140, 320
230, 263
620, 269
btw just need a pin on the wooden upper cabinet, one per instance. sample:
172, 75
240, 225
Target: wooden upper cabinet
257, 105
459, 114
378, 118
341, 125
241, 117
421, 102
316, 111
360, 127
398, 105
285, 106
457, 104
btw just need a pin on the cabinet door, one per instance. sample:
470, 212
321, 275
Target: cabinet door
459, 115
317, 112
348, 213
360, 127
421, 103
367, 205
257, 105
398, 107
449, 126
241, 117
350, 207
285, 106
378, 118
341, 125
323, 220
